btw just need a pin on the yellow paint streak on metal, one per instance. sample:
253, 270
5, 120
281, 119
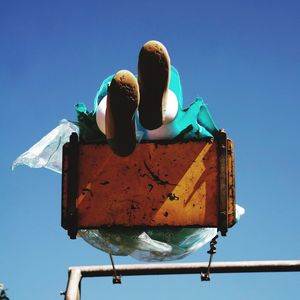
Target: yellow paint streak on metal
191, 195
83, 195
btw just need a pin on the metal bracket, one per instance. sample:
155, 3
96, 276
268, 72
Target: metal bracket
223, 179
213, 249
116, 277
73, 156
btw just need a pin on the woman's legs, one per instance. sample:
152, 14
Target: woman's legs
158, 105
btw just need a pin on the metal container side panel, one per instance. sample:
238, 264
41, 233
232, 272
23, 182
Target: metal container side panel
173, 184
70, 185
64, 222
231, 185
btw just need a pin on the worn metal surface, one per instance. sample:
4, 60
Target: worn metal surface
160, 184
191, 268
73, 286
77, 273
70, 185
223, 183
231, 214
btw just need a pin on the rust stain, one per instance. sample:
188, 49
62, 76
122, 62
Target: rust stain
180, 180
156, 177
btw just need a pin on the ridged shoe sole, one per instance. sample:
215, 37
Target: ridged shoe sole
122, 102
153, 79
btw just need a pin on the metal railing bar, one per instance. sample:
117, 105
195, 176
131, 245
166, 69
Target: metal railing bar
191, 268
77, 273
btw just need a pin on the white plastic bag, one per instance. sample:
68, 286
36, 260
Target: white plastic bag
47, 152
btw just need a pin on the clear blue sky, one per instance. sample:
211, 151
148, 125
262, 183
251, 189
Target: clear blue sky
242, 57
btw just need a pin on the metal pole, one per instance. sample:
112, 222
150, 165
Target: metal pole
73, 287
76, 273
191, 268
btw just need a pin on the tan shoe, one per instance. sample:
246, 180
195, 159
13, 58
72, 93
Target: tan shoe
153, 78
122, 101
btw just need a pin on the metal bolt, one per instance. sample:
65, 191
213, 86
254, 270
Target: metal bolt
117, 280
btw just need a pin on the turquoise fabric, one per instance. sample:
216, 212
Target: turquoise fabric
195, 120
102, 92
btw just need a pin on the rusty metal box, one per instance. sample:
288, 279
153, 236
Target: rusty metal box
189, 183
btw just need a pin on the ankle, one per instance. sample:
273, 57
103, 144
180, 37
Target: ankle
169, 107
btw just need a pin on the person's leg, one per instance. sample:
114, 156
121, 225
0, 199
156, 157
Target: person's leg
153, 78
122, 101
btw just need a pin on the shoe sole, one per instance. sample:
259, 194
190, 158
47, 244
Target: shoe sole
153, 78
122, 102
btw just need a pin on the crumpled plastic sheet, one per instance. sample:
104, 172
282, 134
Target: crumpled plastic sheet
47, 152
151, 244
